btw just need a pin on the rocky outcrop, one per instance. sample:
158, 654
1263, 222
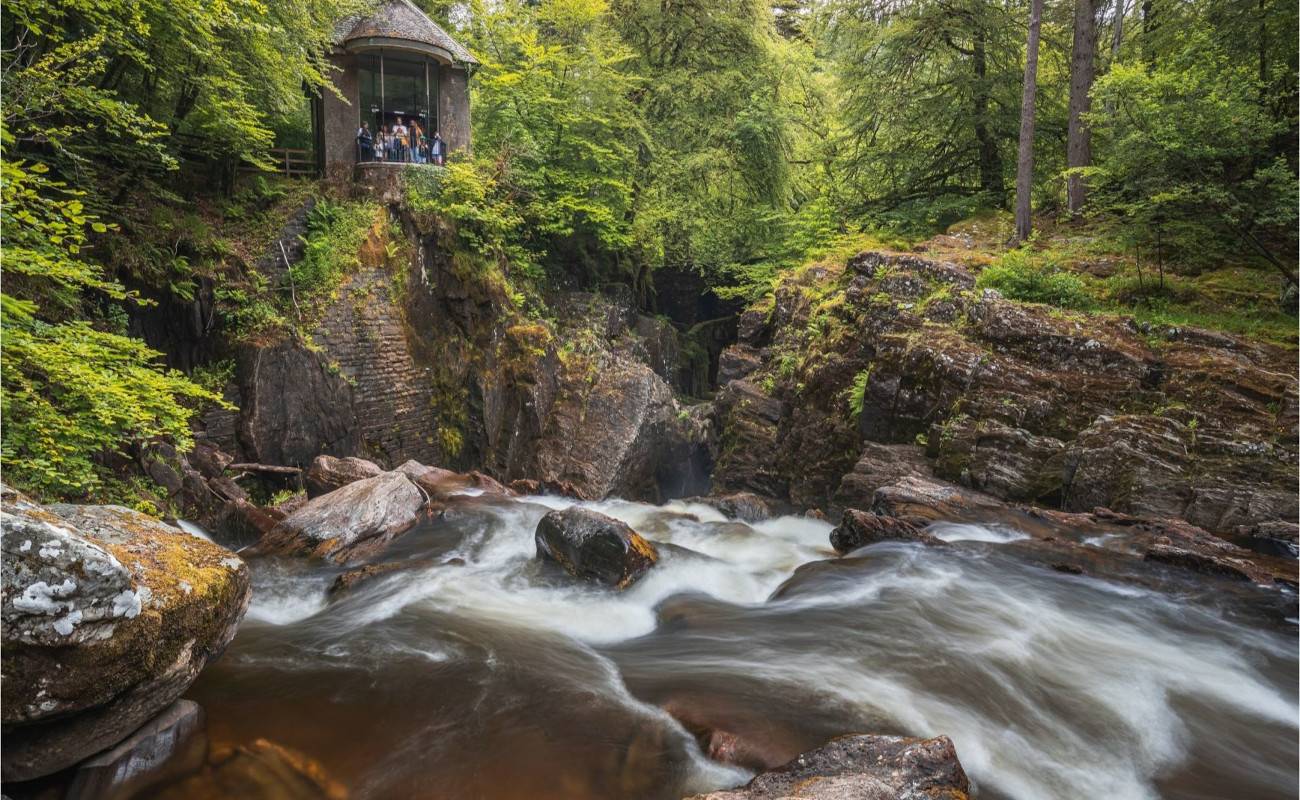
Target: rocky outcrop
860, 529
612, 427
108, 617
862, 768
879, 465
920, 501
1068, 541
750, 457
293, 406
594, 547
350, 523
1021, 402
328, 473
418, 357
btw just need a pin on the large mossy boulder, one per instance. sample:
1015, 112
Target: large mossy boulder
108, 616
594, 547
350, 523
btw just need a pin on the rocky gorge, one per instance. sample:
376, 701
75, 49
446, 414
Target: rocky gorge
549, 536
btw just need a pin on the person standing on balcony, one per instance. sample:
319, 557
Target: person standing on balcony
417, 142
403, 140
438, 148
365, 143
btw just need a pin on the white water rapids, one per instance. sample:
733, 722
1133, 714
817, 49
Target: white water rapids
484, 673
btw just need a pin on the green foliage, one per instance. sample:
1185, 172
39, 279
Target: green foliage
857, 393
1024, 275
476, 199
553, 105
335, 235
71, 393
1189, 168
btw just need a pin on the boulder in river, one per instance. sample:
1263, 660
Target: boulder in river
862, 767
744, 506
861, 528
595, 547
328, 473
349, 523
109, 615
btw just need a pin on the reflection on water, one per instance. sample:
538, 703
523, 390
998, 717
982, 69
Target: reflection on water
481, 673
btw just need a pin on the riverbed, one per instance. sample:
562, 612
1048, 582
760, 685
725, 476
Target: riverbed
481, 672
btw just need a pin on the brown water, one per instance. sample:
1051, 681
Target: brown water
499, 678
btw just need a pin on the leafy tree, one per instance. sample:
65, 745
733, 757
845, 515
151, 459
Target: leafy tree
553, 108
1189, 167
70, 392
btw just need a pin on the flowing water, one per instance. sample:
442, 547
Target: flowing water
483, 673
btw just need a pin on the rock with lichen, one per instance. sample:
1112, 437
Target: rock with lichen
108, 616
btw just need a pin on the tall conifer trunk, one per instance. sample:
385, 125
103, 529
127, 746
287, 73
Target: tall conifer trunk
1078, 147
1025, 159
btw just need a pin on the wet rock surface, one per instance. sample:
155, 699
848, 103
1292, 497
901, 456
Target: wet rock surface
353, 578
862, 768
744, 506
350, 523
261, 770
860, 529
1100, 542
108, 616
594, 547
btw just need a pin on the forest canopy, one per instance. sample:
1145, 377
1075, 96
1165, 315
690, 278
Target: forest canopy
615, 139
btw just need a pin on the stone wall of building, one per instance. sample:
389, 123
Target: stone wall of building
453, 108
341, 119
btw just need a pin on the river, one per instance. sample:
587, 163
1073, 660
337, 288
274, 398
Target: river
484, 673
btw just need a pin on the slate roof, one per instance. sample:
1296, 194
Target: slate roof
400, 19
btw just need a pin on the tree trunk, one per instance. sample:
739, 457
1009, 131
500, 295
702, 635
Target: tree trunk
1078, 142
990, 162
1117, 34
1148, 32
1025, 160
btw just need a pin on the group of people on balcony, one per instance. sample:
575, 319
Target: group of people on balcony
401, 144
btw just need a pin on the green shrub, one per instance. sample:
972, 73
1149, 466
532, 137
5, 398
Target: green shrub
1034, 278
335, 234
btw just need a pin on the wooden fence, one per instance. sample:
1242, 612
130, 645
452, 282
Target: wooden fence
288, 161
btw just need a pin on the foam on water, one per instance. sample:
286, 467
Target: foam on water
737, 564
1050, 685
965, 532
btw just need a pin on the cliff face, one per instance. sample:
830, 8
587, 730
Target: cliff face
422, 354
851, 377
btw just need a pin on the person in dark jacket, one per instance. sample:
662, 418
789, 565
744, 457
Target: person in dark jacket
438, 148
365, 143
